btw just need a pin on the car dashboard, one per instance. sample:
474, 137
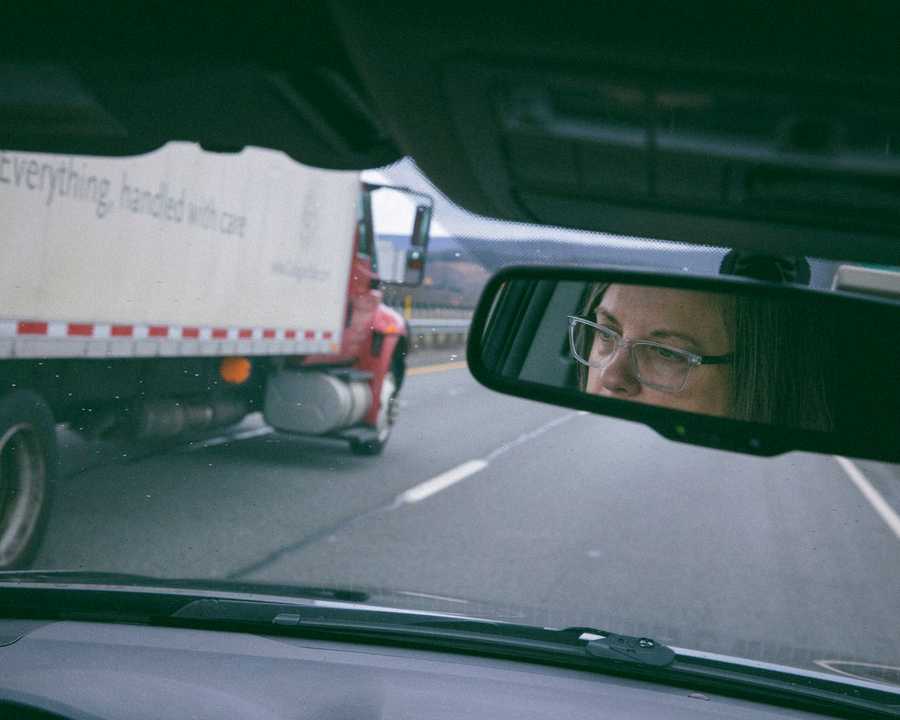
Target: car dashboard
75, 669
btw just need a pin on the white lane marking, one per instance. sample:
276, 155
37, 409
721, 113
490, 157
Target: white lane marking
531, 435
880, 505
424, 490
440, 482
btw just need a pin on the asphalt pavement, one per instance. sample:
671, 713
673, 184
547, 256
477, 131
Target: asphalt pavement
490, 505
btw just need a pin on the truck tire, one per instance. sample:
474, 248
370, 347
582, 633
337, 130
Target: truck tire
28, 467
387, 415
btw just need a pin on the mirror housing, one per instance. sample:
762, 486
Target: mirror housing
400, 222
520, 344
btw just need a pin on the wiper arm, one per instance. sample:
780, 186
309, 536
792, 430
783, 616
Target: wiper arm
642, 650
148, 581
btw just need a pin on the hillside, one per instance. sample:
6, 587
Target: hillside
458, 268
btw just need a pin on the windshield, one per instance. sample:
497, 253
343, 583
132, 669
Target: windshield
242, 379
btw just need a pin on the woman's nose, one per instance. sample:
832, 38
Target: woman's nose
616, 377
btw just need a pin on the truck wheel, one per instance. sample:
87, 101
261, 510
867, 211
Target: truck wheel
387, 414
28, 463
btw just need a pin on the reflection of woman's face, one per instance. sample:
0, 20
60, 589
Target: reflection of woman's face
683, 319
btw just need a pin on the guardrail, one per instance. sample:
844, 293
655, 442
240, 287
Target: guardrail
438, 332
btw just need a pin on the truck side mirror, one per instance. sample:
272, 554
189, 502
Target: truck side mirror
401, 226
421, 226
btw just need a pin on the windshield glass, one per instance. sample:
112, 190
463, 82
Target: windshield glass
232, 361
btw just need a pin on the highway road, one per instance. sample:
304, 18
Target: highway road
490, 505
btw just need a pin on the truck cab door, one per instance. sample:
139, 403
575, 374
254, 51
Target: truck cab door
364, 293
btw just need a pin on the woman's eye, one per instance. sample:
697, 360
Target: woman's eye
605, 335
666, 354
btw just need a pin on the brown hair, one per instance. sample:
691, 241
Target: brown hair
780, 372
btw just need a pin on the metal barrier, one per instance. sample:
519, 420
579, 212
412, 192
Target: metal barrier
438, 332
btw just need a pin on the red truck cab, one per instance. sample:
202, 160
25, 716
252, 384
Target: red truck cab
366, 375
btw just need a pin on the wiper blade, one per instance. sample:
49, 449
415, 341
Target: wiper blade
149, 581
572, 642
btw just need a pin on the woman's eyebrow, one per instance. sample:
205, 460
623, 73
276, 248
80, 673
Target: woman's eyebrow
674, 334
609, 316
660, 334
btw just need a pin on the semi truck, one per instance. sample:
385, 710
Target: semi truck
163, 295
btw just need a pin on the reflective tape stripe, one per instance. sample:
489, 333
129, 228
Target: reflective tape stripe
290, 340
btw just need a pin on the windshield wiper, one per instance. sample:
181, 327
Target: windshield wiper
257, 614
148, 581
581, 642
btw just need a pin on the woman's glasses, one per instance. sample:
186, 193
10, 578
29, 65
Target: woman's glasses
655, 365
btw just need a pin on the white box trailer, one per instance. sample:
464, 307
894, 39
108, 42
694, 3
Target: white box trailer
178, 252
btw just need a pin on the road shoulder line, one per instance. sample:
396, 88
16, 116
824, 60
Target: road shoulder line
440, 367
868, 491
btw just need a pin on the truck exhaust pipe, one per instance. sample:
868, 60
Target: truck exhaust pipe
169, 417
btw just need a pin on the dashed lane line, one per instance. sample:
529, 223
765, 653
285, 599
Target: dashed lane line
449, 478
425, 490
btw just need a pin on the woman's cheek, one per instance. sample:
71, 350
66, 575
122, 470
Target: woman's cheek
593, 382
662, 399
709, 394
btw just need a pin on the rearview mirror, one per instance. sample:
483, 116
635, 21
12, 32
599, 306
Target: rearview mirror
730, 363
401, 222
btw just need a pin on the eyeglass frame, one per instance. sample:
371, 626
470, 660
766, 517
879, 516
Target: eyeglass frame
694, 359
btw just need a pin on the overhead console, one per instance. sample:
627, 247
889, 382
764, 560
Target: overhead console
776, 131
680, 159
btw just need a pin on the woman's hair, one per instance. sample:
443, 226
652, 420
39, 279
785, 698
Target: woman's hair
593, 298
781, 369
781, 366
